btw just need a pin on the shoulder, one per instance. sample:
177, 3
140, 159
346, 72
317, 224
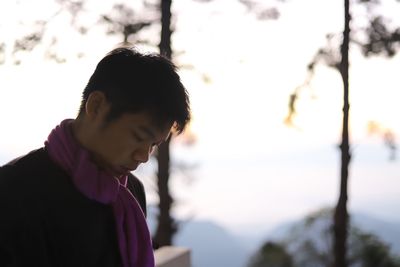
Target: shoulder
137, 189
19, 166
18, 189
34, 159
22, 175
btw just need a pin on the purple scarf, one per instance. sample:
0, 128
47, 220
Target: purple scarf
133, 234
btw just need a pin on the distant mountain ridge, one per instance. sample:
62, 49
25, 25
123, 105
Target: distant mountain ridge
212, 245
388, 232
215, 246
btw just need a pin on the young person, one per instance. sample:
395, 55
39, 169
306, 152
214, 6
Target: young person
74, 201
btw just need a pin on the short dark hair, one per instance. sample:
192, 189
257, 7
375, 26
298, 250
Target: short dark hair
135, 82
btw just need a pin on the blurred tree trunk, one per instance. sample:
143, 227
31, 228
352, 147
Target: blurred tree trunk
166, 32
341, 214
166, 226
379, 39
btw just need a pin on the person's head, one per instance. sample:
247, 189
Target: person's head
130, 104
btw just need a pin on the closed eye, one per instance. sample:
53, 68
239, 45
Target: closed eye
138, 137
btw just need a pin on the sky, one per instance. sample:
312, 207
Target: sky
251, 170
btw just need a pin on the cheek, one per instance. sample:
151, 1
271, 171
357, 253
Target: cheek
117, 147
121, 149
110, 148
118, 150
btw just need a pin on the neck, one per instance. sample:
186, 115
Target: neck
78, 133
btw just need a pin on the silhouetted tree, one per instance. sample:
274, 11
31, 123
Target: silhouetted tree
262, 10
379, 40
310, 242
341, 214
36, 31
123, 20
369, 251
166, 227
271, 255
388, 137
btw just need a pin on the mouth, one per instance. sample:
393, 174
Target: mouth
126, 170
129, 169
123, 170
119, 171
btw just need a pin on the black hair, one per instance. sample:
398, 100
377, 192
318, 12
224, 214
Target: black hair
135, 82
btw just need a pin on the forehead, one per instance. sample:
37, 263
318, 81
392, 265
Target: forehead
145, 123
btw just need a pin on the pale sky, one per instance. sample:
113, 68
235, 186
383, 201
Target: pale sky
252, 169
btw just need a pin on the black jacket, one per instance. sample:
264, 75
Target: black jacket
45, 221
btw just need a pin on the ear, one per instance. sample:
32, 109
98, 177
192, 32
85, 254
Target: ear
95, 104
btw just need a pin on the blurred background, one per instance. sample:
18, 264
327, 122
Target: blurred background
257, 173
